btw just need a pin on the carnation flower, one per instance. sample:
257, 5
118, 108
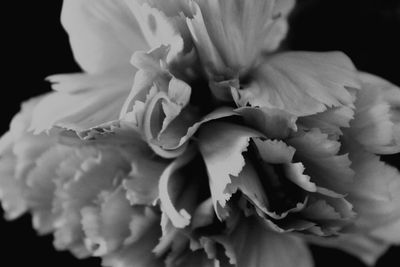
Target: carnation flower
190, 140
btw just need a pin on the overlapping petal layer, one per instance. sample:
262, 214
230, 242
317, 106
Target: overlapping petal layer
222, 153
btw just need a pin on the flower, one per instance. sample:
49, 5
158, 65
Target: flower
212, 149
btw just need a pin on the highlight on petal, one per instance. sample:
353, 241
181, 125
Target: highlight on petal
230, 35
158, 28
89, 112
301, 83
376, 124
103, 33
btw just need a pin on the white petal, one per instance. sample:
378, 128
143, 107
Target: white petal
222, 145
103, 33
302, 83
376, 124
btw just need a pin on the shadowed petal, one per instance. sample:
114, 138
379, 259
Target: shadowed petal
322, 161
256, 246
222, 145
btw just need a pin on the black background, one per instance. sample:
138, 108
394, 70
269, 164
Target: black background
35, 46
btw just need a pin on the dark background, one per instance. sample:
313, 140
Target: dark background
36, 46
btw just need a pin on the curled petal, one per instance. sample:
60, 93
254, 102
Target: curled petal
184, 127
222, 145
169, 189
302, 83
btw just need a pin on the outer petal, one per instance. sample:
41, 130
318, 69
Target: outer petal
11, 189
376, 191
302, 83
230, 35
255, 246
103, 33
376, 124
137, 254
88, 112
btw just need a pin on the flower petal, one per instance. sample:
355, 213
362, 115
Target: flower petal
274, 123
103, 33
376, 124
158, 28
255, 246
138, 253
222, 145
88, 112
230, 35
302, 83
375, 193
323, 164
330, 121
142, 185
106, 227
169, 189
11, 190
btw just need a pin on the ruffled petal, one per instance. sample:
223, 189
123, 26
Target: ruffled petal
375, 193
376, 124
11, 190
138, 253
82, 177
222, 145
114, 224
103, 33
274, 123
256, 246
302, 83
323, 163
89, 112
330, 121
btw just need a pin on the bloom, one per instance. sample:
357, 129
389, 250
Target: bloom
213, 149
